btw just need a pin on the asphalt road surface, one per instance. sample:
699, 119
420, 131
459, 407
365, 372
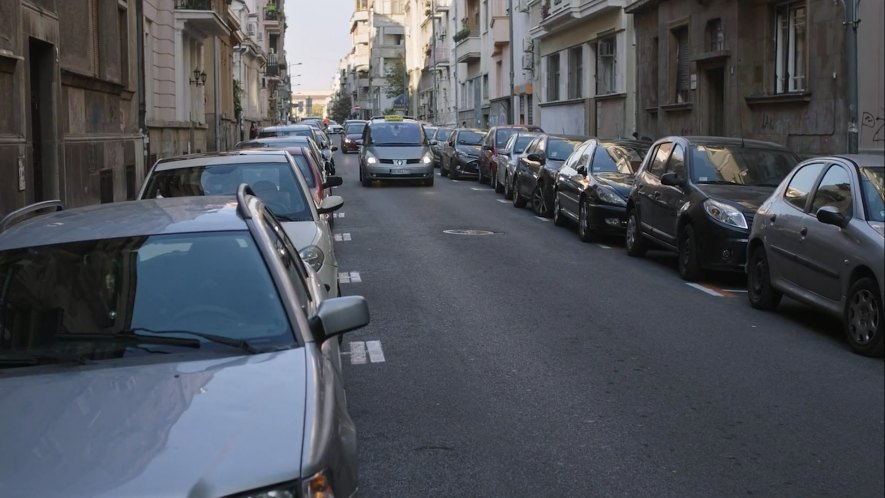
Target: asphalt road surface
527, 363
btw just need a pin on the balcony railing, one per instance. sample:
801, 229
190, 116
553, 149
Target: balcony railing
193, 4
271, 14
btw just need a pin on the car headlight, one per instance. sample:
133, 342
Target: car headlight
289, 490
313, 256
608, 196
725, 213
316, 486
347, 140
370, 158
427, 159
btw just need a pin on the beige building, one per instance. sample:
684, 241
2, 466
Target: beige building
310, 104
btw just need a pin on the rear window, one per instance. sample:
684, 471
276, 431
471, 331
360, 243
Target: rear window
354, 128
397, 133
443, 134
559, 149
470, 138
522, 142
275, 183
502, 135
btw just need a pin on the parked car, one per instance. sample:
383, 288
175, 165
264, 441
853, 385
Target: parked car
430, 132
352, 137
536, 168
333, 128
395, 149
593, 185
460, 153
322, 140
275, 177
697, 196
492, 143
293, 140
820, 239
507, 158
436, 143
179, 338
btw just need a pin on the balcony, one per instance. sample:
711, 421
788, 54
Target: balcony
500, 32
561, 14
359, 61
361, 39
468, 49
438, 57
202, 17
358, 17
273, 20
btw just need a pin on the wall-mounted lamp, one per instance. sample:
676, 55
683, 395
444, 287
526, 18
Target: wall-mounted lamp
199, 78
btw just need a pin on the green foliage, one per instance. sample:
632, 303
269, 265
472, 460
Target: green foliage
238, 104
342, 106
396, 79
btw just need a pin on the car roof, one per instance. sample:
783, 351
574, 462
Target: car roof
623, 141
576, 138
475, 130
865, 160
287, 127
244, 156
126, 219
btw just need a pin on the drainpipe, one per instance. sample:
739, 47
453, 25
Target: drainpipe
142, 98
217, 91
510, 115
851, 22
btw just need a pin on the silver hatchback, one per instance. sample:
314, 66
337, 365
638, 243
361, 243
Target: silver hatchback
820, 239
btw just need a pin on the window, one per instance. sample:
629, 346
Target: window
834, 190
681, 76
655, 54
553, 77
528, 109
575, 72
485, 86
790, 49
659, 162
801, 184
605, 66
106, 185
290, 259
676, 164
715, 35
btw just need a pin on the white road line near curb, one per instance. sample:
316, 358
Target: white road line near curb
344, 277
603, 246
357, 353
503, 201
542, 218
376, 354
736, 290
481, 189
457, 181
704, 289
342, 237
355, 277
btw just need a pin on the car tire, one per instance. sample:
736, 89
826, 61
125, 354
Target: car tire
518, 200
558, 218
499, 187
364, 180
508, 188
689, 259
539, 202
635, 244
453, 173
760, 293
443, 171
585, 233
863, 318
428, 182
479, 176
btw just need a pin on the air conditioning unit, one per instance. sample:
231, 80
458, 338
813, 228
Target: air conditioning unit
528, 61
250, 29
528, 45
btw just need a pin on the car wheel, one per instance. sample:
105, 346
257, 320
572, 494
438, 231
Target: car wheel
761, 294
508, 188
585, 233
365, 180
863, 318
558, 217
634, 243
499, 187
518, 200
539, 202
443, 171
453, 172
689, 259
479, 176
428, 182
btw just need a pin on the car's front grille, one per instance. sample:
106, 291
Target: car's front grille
408, 161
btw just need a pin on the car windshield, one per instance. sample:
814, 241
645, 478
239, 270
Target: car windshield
300, 132
502, 135
430, 131
739, 165
618, 158
872, 182
470, 138
522, 142
132, 296
397, 133
274, 183
559, 149
354, 129
443, 134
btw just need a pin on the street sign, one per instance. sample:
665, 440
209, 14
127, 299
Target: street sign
356, 107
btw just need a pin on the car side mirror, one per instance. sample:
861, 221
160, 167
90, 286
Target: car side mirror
338, 315
333, 181
536, 157
831, 216
486, 147
669, 178
433, 142
582, 170
334, 148
331, 203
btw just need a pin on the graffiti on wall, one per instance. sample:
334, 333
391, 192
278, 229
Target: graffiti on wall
785, 124
873, 124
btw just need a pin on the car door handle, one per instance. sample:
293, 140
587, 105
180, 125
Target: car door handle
656, 195
804, 231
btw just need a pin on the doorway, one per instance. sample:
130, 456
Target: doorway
42, 119
715, 83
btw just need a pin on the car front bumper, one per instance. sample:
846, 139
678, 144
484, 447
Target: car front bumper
390, 172
468, 167
607, 218
721, 247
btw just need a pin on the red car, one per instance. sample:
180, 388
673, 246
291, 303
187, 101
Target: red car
495, 139
352, 136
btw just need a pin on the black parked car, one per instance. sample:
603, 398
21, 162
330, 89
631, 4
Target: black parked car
460, 153
593, 185
698, 195
536, 170
436, 143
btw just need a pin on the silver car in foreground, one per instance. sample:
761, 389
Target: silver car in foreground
169, 347
820, 239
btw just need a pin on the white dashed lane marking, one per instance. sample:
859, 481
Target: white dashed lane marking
349, 277
359, 350
481, 189
338, 215
342, 237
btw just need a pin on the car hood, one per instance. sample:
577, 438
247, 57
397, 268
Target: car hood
205, 427
354, 136
303, 233
748, 197
398, 151
620, 182
470, 150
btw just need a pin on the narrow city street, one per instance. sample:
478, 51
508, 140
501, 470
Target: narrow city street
527, 363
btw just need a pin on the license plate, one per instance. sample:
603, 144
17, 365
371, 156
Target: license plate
399, 172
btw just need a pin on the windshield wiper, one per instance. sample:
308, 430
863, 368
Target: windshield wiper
717, 182
129, 336
227, 341
25, 359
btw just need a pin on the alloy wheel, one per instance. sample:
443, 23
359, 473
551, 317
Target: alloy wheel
539, 203
863, 316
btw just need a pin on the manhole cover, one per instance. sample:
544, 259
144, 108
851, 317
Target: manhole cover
461, 231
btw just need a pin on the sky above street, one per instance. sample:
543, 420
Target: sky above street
318, 37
